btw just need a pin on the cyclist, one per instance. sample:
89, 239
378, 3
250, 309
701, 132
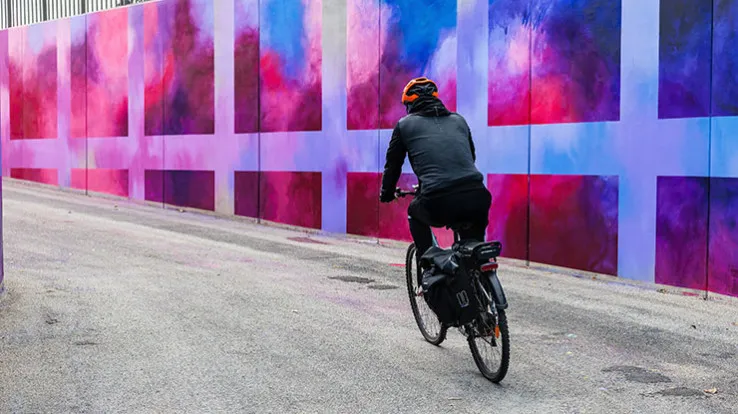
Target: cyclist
441, 152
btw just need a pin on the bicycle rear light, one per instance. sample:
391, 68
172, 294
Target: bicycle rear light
488, 267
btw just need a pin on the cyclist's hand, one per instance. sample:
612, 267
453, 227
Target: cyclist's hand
386, 196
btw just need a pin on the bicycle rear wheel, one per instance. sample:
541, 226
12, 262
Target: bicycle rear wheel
431, 328
496, 346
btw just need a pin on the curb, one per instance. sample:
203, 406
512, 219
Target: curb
616, 280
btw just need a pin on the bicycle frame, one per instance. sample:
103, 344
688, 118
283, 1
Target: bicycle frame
457, 238
435, 240
480, 261
497, 293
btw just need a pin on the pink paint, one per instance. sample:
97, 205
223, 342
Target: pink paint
164, 54
374, 90
681, 231
39, 175
555, 98
574, 222
509, 76
292, 198
365, 215
33, 82
101, 180
362, 63
107, 74
179, 69
508, 215
246, 65
362, 204
246, 193
294, 102
722, 276
183, 188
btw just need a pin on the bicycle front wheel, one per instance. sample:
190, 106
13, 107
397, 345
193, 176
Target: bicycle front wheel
431, 328
491, 351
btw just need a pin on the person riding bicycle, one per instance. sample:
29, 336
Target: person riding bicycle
442, 155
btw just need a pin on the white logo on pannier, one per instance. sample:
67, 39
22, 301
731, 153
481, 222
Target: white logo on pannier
462, 298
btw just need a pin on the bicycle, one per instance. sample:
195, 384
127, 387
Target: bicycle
491, 324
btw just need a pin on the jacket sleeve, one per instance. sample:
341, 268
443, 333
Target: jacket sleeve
471, 145
393, 163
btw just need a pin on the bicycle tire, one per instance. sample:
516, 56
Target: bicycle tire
498, 375
409, 275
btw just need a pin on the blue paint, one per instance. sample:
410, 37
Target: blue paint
246, 15
507, 13
504, 150
574, 148
203, 13
78, 28
417, 29
724, 147
582, 26
283, 31
39, 35
684, 58
725, 58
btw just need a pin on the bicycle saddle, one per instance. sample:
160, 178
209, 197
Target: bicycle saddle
464, 225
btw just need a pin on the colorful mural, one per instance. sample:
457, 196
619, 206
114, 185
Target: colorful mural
553, 61
685, 37
32, 80
2, 257
290, 61
408, 41
99, 75
574, 222
606, 130
724, 59
179, 67
246, 66
681, 231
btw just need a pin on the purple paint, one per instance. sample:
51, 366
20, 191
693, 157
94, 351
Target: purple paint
723, 261
684, 58
281, 196
194, 189
246, 193
681, 231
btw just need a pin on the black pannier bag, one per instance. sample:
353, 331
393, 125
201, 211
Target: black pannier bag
447, 287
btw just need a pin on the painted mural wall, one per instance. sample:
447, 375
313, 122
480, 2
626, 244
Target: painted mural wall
606, 128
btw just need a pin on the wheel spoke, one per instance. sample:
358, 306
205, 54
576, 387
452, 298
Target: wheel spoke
426, 319
491, 352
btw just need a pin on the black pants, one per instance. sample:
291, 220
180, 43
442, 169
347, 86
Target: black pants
471, 206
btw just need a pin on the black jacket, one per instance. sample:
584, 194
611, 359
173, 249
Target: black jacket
441, 153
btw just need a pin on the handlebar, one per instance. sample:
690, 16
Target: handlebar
400, 193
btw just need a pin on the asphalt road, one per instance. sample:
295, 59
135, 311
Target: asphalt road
115, 307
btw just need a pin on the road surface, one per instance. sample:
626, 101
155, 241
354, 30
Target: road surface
117, 307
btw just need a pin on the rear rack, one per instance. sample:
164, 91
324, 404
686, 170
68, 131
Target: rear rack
481, 251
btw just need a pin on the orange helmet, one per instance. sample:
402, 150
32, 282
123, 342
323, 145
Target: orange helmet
407, 98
